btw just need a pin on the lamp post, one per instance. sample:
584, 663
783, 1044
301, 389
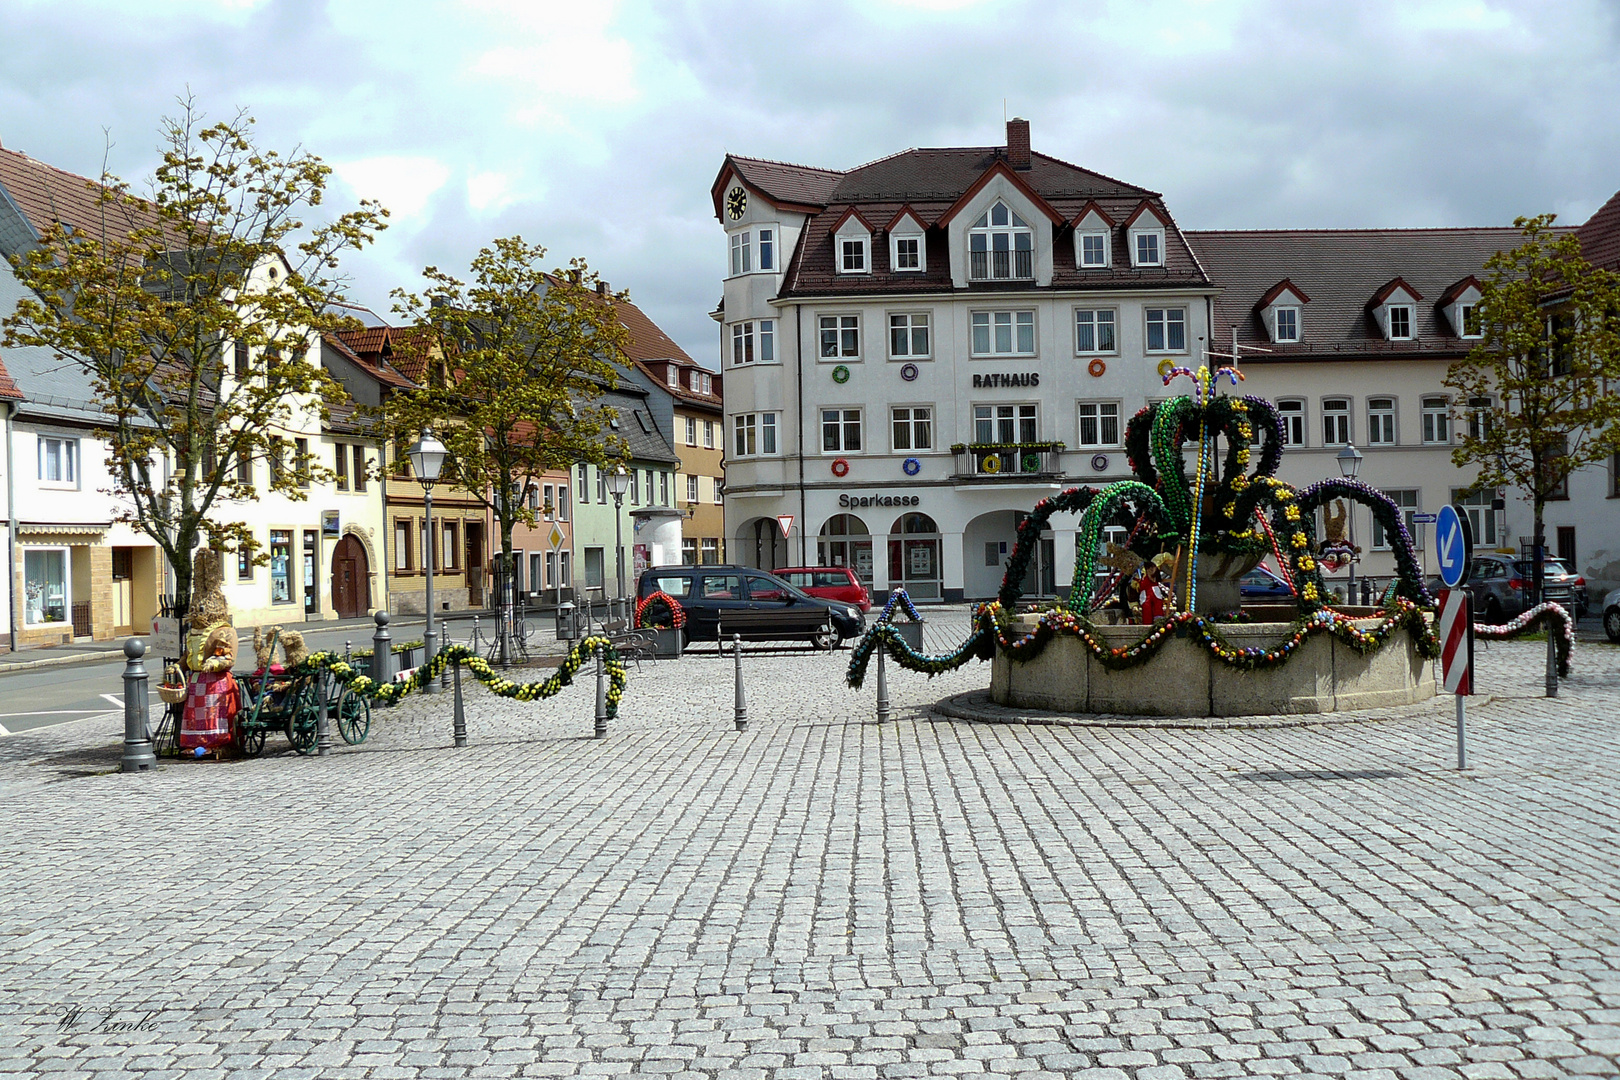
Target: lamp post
1349, 465
618, 482
427, 458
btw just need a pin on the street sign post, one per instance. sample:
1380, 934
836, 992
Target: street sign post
1453, 544
1455, 628
1425, 519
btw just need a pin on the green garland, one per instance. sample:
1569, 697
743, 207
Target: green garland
390, 693
993, 624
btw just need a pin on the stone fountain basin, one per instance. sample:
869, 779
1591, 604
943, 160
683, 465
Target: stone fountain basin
1185, 679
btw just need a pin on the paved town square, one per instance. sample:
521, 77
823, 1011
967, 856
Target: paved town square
824, 896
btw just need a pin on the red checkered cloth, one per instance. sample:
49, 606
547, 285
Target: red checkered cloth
210, 708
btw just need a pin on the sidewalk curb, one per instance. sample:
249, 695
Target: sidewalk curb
61, 661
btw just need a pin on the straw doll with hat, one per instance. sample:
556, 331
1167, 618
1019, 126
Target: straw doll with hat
206, 727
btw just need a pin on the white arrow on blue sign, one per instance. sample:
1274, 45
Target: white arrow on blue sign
1454, 542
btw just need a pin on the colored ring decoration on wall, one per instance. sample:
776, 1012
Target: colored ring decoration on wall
908, 372
1099, 462
992, 463
1096, 367
1165, 365
840, 467
912, 466
840, 374
1032, 463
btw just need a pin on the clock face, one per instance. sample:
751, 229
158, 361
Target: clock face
736, 203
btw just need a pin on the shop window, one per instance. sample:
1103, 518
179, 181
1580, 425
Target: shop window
281, 590
47, 592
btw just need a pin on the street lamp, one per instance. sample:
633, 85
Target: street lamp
1349, 465
427, 458
618, 482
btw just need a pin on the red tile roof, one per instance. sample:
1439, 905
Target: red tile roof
1342, 269
8, 389
653, 351
1600, 236
45, 194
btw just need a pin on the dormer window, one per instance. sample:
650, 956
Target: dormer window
1093, 249
1468, 321
1287, 324
1149, 249
907, 250
672, 374
1093, 235
852, 256
908, 253
1400, 322
1001, 247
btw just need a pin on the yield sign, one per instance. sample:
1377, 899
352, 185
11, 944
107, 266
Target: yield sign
785, 522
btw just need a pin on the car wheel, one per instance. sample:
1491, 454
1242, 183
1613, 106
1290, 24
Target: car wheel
825, 642
1611, 624
1493, 611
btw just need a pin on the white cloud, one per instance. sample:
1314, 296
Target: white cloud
402, 184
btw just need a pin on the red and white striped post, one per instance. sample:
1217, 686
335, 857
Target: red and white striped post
1455, 626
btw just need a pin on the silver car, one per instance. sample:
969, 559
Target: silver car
1500, 585
1611, 616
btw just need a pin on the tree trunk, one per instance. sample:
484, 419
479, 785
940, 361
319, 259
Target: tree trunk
508, 572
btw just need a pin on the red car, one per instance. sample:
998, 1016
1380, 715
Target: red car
828, 583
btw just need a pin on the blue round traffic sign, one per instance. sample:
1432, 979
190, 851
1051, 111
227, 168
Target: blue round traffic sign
1454, 544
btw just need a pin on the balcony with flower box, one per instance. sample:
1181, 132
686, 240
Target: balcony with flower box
1004, 462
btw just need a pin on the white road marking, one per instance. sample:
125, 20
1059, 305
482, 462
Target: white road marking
115, 699
3, 731
49, 712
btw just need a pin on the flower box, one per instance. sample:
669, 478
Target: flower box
911, 633
668, 643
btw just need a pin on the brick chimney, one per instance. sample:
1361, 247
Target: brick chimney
601, 287
1018, 143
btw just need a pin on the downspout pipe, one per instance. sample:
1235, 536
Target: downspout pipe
11, 534
798, 351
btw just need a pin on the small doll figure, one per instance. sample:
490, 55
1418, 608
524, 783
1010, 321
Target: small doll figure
211, 702
1155, 589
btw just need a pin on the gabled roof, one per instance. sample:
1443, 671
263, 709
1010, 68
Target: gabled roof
1278, 289
8, 389
999, 168
1457, 289
800, 187
652, 350
370, 360
1091, 207
851, 212
1145, 207
1600, 235
903, 213
1340, 269
1389, 290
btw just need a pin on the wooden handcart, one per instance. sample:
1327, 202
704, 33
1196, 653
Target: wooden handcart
291, 704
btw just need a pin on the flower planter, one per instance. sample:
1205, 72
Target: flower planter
668, 643
911, 633
405, 659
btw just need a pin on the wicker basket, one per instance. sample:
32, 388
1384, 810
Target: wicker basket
173, 695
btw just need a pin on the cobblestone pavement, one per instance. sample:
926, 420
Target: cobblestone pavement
824, 897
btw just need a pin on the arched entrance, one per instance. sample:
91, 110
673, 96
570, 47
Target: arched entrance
988, 540
914, 557
844, 541
760, 543
351, 578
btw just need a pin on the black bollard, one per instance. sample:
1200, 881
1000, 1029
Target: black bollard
741, 717
138, 755
882, 685
461, 712
323, 725
601, 696
382, 652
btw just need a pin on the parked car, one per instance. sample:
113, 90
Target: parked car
1500, 586
1611, 616
1261, 584
828, 583
753, 603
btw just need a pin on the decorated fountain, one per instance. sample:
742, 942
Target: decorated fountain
1156, 625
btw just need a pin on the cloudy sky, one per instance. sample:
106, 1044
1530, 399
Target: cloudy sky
596, 127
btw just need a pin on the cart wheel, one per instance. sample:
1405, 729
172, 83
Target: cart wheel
354, 718
251, 743
300, 726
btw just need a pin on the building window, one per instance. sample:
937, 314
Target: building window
341, 457
841, 431
708, 434
244, 565
908, 336
359, 468
703, 382
908, 253
1381, 421
1407, 500
689, 551
601, 485
1469, 317
1436, 421
403, 560
755, 434
1003, 333
719, 491
852, 255
742, 343
1400, 323
47, 590
840, 336
563, 506
767, 249
1166, 329
1476, 507
913, 428
1149, 248
1292, 415
595, 561
1093, 249
635, 487
278, 464
1335, 421
663, 489
672, 376
241, 359
691, 488
711, 551
449, 546
1001, 247
584, 483
1094, 331
1287, 319
244, 469
1005, 424
1479, 417
281, 591
1099, 423
742, 253
59, 461
301, 461
691, 431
